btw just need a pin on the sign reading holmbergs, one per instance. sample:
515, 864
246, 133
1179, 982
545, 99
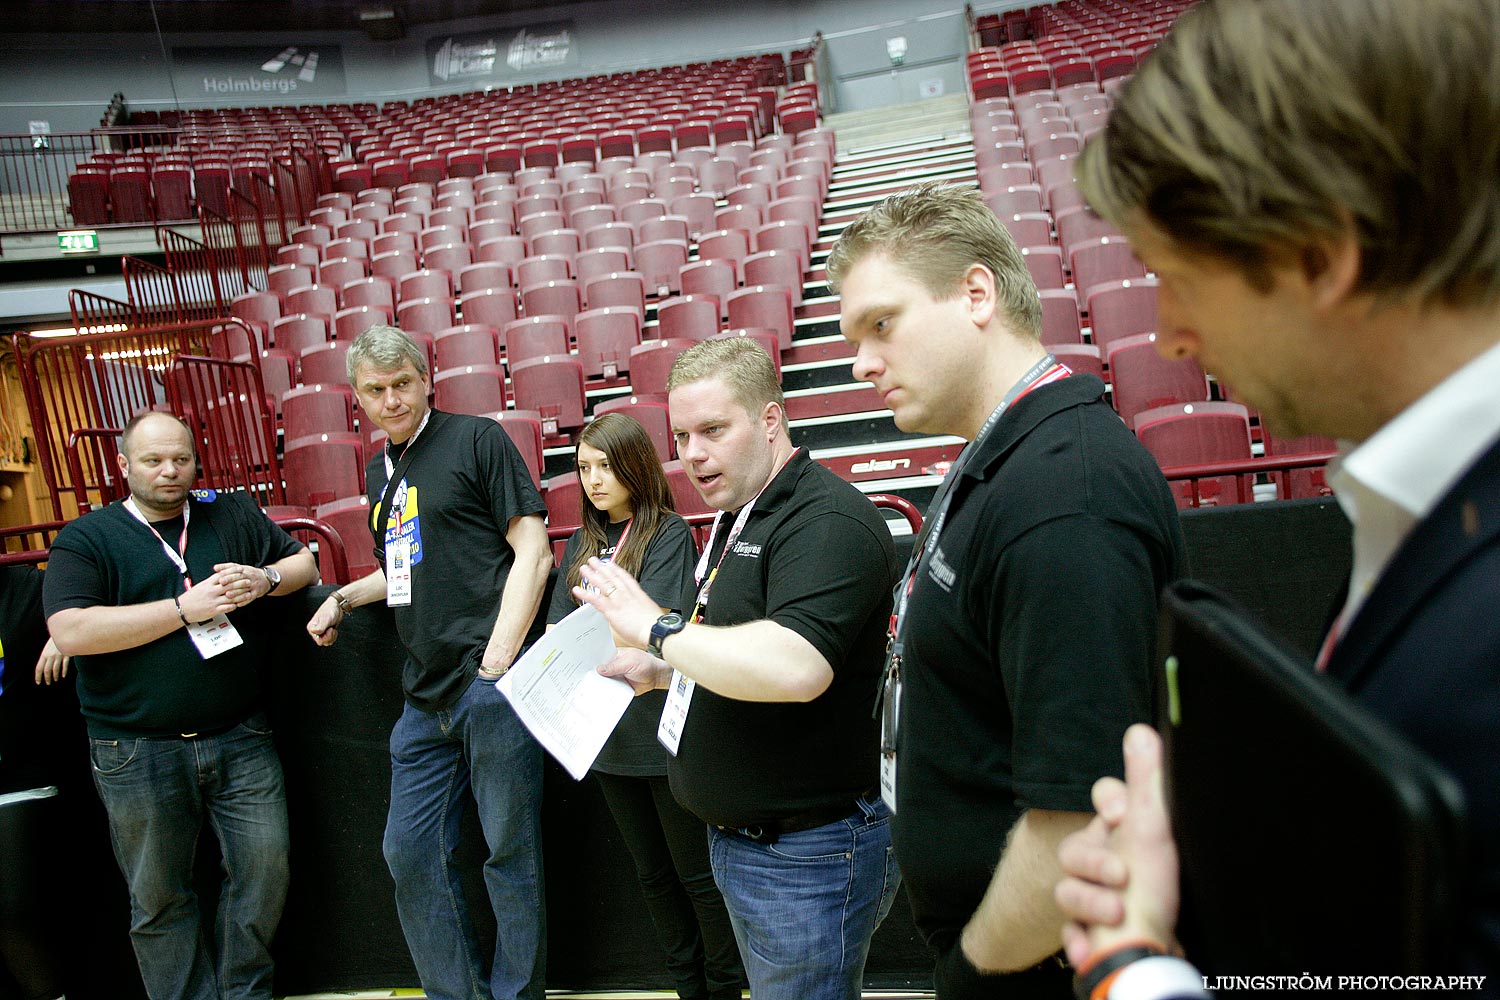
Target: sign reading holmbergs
503, 53
260, 71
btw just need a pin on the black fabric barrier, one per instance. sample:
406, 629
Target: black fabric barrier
333, 710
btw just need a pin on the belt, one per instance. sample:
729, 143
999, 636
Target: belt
770, 830
203, 734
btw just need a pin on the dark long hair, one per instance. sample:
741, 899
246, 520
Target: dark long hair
633, 460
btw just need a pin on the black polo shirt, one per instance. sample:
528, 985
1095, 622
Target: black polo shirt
165, 686
464, 483
1029, 639
816, 557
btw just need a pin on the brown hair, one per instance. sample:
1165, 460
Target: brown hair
937, 232
1257, 129
632, 458
741, 363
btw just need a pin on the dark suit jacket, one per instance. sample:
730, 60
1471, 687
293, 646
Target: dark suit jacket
1423, 653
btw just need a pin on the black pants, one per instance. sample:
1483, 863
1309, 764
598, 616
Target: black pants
670, 849
956, 979
30, 965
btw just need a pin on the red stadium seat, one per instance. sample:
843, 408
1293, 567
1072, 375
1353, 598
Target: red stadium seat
688, 317
605, 337
553, 386
1144, 380
490, 306
1187, 434
650, 415
1122, 309
316, 409
764, 306
533, 337
651, 362
320, 468
470, 344
472, 389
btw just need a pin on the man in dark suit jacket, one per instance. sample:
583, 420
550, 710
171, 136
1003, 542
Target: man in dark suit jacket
1314, 185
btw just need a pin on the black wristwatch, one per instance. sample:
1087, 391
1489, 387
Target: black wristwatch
668, 624
273, 577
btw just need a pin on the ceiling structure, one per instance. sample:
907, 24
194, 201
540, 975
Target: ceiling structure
78, 16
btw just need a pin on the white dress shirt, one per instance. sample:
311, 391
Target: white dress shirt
1396, 477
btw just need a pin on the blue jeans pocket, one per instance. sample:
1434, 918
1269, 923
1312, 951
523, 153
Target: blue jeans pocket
112, 756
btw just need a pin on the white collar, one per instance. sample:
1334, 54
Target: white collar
1415, 459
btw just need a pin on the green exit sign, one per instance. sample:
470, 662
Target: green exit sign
78, 241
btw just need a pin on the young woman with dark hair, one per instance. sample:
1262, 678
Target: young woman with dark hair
629, 518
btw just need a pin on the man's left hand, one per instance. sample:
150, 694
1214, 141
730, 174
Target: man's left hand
628, 608
242, 584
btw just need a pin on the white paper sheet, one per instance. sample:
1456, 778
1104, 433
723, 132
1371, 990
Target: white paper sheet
560, 697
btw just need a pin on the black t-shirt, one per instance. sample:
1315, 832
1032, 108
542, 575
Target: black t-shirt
666, 569
1029, 639
465, 482
23, 633
165, 687
815, 557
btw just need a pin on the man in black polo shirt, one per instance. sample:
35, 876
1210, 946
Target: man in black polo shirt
458, 528
1025, 623
156, 599
771, 677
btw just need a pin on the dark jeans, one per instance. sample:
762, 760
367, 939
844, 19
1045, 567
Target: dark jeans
438, 759
670, 848
157, 793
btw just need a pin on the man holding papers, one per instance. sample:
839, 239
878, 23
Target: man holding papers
771, 678
458, 525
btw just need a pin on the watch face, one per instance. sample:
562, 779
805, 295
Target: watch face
671, 620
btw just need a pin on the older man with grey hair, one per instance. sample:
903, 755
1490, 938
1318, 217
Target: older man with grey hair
463, 546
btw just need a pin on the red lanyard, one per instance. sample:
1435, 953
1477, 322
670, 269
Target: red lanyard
179, 557
1044, 372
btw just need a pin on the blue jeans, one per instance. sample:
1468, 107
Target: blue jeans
805, 906
438, 758
157, 793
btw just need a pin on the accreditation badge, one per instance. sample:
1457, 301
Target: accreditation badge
214, 636
674, 713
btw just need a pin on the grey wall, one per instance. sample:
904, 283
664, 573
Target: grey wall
68, 80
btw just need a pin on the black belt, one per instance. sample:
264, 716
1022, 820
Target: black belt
200, 734
770, 830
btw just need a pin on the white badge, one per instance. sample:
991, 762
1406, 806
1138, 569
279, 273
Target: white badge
397, 569
888, 781
214, 636
674, 713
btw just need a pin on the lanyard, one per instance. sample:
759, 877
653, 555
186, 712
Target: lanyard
620, 545
1044, 372
177, 555
385, 452
734, 533
390, 473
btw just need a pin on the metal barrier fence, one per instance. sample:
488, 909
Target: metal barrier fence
150, 176
95, 381
234, 422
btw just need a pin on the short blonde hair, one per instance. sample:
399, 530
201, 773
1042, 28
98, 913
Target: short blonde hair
742, 364
937, 232
1256, 130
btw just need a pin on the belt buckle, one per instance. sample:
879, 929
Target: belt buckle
188, 736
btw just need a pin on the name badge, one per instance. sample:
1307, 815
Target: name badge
214, 636
674, 713
397, 570
890, 716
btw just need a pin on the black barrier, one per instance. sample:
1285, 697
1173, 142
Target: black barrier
333, 710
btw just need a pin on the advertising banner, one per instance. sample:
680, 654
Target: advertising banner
290, 72
502, 54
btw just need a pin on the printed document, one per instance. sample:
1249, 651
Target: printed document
560, 697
